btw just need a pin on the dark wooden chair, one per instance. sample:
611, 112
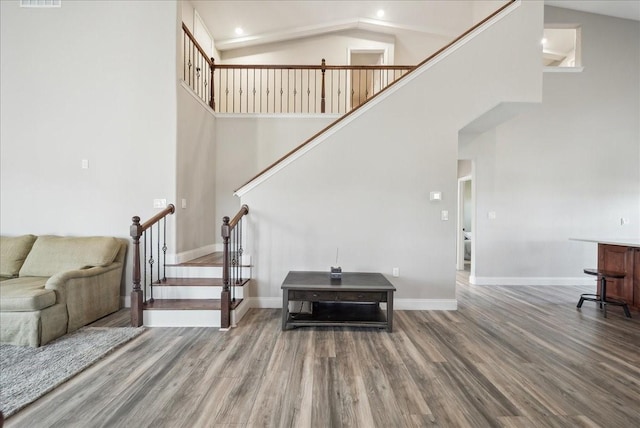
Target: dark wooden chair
602, 299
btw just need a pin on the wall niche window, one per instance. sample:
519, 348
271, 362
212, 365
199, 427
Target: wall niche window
561, 48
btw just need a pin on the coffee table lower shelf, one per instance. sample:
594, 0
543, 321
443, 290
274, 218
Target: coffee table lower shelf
340, 314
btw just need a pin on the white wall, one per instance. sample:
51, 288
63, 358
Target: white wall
248, 144
187, 16
332, 47
196, 173
365, 186
484, 8
78, 83
567, 168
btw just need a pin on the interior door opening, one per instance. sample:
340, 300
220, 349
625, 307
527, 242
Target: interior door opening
365, 83
465, 243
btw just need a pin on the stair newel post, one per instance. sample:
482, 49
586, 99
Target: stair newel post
225, 297
322, 95
136, 293
212, 102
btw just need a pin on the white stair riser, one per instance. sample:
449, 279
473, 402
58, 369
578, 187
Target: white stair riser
191, 318
181, 318
191, 292
201, 272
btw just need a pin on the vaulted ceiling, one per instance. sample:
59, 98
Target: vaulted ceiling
265, 21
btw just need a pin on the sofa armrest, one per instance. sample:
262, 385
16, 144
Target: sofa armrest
88, 293
59, 282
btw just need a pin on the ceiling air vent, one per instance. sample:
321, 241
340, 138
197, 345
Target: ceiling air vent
40, 3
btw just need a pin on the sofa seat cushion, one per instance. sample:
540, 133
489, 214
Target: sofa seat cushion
25, 294
54, 254
13, 252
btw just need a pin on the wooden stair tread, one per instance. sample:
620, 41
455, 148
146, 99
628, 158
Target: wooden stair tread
208, 260
187, 304
195, 282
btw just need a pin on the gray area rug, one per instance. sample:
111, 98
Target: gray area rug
26, 373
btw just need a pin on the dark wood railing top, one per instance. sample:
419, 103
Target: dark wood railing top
313, 67
244, 210
401, 78
289, 66
197, 45
170, 209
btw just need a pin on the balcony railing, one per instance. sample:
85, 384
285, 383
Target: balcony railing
307, 89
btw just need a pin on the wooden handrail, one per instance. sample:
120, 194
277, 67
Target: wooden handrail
289, 66
315, 67
197, 57
244, 210
136, 230
197, 45
403, 77
463, 35
170, 209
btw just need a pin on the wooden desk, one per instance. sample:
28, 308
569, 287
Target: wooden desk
353, 301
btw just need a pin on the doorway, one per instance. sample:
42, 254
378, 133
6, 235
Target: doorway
465, 243
365, 83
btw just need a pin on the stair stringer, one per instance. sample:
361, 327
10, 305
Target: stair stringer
362, 187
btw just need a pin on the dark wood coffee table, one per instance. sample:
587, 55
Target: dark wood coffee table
352, 301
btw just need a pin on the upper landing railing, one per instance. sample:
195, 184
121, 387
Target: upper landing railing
304, 89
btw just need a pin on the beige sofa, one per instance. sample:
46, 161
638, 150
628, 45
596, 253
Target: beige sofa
53, 285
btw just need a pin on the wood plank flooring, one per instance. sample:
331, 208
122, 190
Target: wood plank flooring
509, 357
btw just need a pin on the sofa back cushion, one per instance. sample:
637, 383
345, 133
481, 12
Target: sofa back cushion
13, 252
53, 254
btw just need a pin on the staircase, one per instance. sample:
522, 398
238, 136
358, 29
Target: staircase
190, 295
205, 292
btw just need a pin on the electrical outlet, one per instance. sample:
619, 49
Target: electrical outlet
396, 272
159, 203
85, 164
444, 215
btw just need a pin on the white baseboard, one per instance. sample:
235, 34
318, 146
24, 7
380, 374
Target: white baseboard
240, 312
265, 302
276, 303
398, 304
535, 280
185, 256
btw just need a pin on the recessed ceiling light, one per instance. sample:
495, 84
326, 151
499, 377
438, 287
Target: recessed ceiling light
380, 13
239, 31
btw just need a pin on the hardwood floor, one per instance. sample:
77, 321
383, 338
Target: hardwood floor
509, 357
